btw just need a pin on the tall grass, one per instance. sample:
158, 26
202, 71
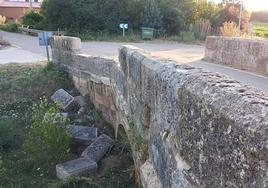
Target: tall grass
260, 29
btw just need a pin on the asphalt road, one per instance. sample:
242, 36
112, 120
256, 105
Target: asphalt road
182, 53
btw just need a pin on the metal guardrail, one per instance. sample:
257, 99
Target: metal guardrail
25, 29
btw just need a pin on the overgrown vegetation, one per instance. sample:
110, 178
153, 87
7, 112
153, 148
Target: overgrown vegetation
260, 29
27, 158
10, 26
260, 16
33, 19
184, 20
229, 29
168, 17
151, 16
31, 146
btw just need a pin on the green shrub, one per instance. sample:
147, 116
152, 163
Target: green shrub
53, 134
187, 36
151, 16
6, 136
10, 135
131, 36
10, 26
202, 29
48, 142
33, 19
260, 29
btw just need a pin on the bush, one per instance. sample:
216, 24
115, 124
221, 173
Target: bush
229, 29
260, 30
151, 15
7, 136
10, 26
48, 142
2, 20
202, 29
187, 36
53, 134
33, 19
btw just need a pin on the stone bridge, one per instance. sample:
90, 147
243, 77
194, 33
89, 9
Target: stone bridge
245, 54
186, 127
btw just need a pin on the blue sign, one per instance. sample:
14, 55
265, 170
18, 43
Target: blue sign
123, 26
44, 37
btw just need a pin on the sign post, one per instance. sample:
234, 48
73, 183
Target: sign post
123, 26
43, 38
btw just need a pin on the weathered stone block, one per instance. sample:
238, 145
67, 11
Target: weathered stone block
98, 148
83, 134
81, 100
71, 44
77, 167
240, 53
149, 177
214, 125
63, 99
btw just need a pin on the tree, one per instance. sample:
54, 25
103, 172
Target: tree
91, 15
209, 11
151, 16
231, 13
58, 14
33, 19
176, 14
260, 16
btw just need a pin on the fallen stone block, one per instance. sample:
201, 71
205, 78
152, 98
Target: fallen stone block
77, 167
63, 99
56, 118
98, 148
148, 176
81, 100
83, 134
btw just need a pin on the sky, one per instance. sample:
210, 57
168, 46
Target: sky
253, 5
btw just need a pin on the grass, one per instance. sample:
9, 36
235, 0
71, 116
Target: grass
260, 29
21, 86
131, 36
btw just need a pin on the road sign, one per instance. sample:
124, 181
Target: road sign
123, 26
44, 37
44, 40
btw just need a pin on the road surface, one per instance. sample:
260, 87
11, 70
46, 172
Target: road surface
182, 53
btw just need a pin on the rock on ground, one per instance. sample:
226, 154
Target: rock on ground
149, 176
81, 100
63, 99
83, 134
98, 148
77, 167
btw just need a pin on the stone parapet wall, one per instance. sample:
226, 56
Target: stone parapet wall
244, 54
187, 127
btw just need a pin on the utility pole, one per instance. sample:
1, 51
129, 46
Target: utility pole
240, 16
31, 4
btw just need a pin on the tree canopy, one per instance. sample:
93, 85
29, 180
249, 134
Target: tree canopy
170, 16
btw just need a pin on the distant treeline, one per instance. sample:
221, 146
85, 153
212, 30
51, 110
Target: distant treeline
168, 17
260, 16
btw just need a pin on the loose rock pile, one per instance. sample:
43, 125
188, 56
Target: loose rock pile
97, 146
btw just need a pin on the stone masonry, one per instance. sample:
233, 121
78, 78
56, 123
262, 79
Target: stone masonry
244, 54
187, 127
